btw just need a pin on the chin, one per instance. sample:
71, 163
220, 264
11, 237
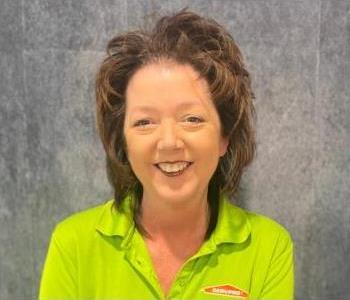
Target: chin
177, 195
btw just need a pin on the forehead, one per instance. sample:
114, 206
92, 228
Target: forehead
167, 84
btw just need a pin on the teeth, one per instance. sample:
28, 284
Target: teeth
173, 167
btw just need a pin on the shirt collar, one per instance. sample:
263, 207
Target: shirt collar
113, 221
232, 226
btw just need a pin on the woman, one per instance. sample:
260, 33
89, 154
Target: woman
175, 115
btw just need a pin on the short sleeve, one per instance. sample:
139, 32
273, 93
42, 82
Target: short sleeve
59, 276
279, 281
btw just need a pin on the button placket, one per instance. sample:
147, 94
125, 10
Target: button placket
135, 258
181, 280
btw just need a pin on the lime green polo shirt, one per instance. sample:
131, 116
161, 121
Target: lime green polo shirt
99, 254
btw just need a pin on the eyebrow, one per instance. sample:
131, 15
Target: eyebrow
147, 108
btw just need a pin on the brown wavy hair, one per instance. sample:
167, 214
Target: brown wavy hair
184, 38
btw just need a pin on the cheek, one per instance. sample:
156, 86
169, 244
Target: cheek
138, 149
207, 144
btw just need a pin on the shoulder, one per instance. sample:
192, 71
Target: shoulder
80, 223
268, 234
269, 241
258, 225
264, 232
237, 224
263, 224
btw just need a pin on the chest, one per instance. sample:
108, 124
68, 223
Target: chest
166, 268
167, 262
112, 275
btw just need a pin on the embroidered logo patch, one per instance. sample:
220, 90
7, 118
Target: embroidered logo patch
227, 290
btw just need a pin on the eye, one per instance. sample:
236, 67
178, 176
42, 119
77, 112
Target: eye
142, 123
193, 119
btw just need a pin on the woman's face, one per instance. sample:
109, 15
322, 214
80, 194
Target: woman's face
172, 132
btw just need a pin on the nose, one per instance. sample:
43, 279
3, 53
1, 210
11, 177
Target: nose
169, 138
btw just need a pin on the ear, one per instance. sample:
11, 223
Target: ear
223, 146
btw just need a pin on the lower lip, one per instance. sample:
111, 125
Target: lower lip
175, 173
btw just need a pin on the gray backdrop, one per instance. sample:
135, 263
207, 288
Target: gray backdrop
52, 163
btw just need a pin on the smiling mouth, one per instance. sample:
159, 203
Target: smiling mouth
174, 173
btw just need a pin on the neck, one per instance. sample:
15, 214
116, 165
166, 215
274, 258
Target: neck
185, 219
